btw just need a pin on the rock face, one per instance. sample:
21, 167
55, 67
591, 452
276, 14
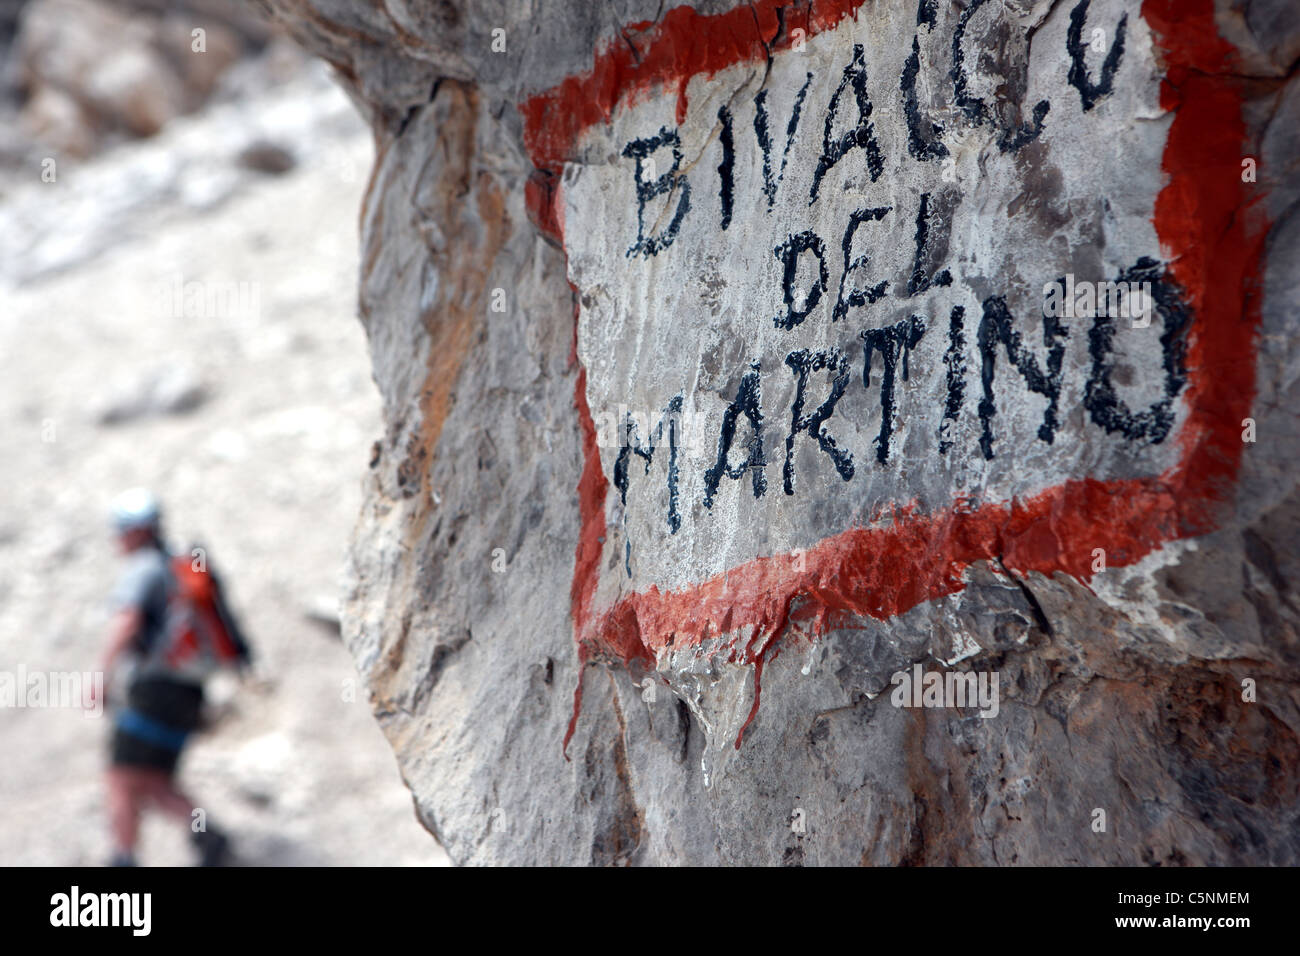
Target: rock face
832, 433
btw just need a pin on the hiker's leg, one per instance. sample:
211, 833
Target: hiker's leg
162, 789
212, 843
124, 809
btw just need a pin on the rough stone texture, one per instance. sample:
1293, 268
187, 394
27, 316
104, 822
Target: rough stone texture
1068, 504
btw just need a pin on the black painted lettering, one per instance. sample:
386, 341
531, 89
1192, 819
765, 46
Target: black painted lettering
861, 136
857, 297
764, 138
929, 248
954, 359
748, 402
977, 112
640, 150
630, 446
804, 362
1104, 406
893, 342
789, 252
1090, 92
995, 327
726, 168
923, 134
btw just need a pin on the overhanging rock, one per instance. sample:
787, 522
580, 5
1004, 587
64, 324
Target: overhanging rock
880, 413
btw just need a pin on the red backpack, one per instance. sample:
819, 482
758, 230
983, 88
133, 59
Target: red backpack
202, 635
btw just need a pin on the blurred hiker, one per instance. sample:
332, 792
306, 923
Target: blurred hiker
171, 630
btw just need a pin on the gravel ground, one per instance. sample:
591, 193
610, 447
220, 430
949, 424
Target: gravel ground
252, 420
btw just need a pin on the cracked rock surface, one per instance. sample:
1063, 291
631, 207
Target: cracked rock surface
817, 436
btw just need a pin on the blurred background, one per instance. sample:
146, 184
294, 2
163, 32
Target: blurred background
178, 258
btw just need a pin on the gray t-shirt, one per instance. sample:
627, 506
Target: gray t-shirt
145, 585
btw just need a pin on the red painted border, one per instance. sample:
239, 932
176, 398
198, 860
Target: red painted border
1214, 255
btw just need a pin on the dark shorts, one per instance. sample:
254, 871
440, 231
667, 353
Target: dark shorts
152, 730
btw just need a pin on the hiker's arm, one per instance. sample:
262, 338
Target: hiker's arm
122, 631
125, 626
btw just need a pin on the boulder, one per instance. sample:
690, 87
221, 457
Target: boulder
128, 67
831, 433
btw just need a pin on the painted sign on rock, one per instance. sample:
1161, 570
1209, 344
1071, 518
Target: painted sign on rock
868, 293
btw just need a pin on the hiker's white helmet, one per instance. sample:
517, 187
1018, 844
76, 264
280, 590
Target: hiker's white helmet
137, 508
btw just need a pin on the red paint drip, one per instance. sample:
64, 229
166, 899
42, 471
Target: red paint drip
542, 200
592, 487
758, 694
1214, 250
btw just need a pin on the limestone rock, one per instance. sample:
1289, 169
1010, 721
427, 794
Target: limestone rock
171, 389
128, 67
921, 349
